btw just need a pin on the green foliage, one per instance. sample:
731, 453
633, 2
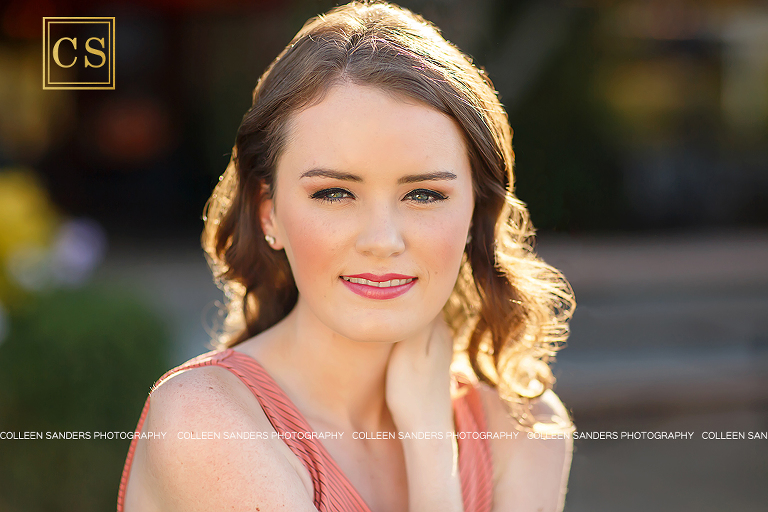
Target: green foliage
74, 360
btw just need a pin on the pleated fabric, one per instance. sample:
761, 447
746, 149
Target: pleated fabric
333, 492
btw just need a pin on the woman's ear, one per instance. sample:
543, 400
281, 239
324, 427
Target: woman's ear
267, 219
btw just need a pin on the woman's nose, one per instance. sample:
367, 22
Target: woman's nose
380, 235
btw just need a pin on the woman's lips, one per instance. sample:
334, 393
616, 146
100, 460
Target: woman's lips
381, 287
380, 277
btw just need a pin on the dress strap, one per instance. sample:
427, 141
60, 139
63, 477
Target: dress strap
475, 460
332, 490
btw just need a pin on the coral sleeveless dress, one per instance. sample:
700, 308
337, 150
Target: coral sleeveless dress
332, 490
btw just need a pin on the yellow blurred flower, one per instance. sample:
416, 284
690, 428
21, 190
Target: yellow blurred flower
28, 221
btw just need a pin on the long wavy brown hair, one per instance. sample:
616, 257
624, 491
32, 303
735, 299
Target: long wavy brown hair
509, 310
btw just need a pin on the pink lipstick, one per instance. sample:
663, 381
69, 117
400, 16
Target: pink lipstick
380, 287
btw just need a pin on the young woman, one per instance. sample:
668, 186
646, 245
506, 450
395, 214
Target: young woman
369, 245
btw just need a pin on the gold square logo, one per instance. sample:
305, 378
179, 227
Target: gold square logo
78, 53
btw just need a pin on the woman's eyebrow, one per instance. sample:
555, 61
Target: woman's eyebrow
430, 176
330, 173
410, 178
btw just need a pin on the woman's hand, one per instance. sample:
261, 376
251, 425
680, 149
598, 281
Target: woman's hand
418, 383
419, 398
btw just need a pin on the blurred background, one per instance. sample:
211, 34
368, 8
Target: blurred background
641, 135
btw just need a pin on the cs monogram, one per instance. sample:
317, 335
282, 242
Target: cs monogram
78, 53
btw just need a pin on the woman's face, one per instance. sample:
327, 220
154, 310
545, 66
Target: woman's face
373, 202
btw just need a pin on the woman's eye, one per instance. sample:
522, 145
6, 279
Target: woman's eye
331, 194
423, 195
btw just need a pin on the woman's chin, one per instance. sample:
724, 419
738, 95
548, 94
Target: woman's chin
380, 332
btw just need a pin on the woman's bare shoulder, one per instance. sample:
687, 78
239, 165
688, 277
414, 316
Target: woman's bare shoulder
199, 464
203, 396
531, 466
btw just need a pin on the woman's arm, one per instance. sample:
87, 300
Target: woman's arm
433, 475
530, 475
215, 474
419, 398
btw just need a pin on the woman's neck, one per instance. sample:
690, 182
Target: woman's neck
337, 383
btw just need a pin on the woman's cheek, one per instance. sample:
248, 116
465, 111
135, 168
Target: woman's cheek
441, 247
312, 244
